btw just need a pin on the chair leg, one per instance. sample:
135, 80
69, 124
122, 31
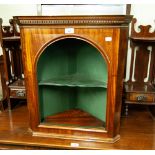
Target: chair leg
152, 111
126, 110
9, 104
1, 106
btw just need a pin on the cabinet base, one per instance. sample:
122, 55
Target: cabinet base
77, 138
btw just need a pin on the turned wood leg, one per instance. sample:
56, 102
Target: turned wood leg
9, 104
152, 111
1, 106
126, 109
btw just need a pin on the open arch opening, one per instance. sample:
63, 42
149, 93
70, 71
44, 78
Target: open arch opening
72, 80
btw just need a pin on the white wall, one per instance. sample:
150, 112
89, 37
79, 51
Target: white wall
145, 13
9, 10
105, 9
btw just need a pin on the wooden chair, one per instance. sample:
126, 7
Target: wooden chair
139, 89
10, 42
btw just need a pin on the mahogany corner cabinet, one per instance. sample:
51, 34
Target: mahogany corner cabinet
74, 69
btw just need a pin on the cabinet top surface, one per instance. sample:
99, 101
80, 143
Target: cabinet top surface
110, 20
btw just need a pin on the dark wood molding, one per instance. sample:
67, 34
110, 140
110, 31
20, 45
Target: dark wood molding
74, 20
144, 34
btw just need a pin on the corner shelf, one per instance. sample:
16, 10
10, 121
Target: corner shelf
79, 105
73, 80
75, 118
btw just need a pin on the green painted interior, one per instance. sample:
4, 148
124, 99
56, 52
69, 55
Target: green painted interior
72, 74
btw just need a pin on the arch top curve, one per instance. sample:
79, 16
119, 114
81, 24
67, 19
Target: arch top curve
76, 37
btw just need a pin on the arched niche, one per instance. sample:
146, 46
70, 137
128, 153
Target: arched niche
72, 80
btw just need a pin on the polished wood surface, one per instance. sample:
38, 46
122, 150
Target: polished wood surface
75, 117
137, 132
38, 32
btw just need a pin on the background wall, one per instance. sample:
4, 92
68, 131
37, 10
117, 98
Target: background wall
145, 14
9, 10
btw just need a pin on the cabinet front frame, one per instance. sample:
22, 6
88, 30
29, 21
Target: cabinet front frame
32, 47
